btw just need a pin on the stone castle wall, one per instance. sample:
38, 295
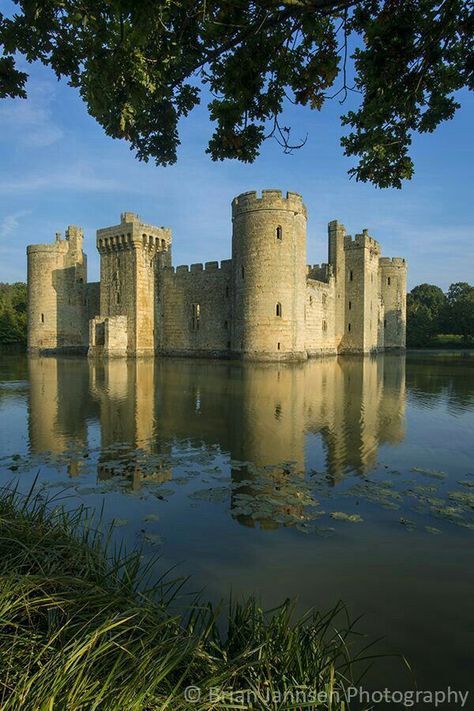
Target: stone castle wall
194, 309
265, 303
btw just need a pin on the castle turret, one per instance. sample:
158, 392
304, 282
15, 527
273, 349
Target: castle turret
337, 259
131, 254
57, 310
393, 288
361, 294
269, 275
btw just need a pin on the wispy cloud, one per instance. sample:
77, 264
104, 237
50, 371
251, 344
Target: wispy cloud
10, 223
31, 122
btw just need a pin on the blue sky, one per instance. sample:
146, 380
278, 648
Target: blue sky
57, 167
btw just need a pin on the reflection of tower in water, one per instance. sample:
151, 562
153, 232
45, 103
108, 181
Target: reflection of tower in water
268, 435
125, 390
58, 408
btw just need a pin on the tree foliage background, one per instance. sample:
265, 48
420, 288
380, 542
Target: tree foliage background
13, 302
140, 66
431, 312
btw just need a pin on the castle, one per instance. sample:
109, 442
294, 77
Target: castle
265, 303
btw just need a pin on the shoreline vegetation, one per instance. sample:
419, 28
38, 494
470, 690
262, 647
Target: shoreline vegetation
82, 628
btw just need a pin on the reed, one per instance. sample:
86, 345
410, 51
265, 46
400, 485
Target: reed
82, 629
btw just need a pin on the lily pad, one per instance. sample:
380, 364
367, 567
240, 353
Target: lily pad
341, 516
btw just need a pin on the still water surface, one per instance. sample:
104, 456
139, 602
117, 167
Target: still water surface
348, 478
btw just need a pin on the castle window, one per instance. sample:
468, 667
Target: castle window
227, 291
278, 345
325, 326
349, 327
42, 318
278, 310
324, 299
385, 323
80, 281
228, 344
388, 281
226, 325
196, 316
243, 272
310, 300
117, 298
163, 244
350, 305
351, 275
279, 232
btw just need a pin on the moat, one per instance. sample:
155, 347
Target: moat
342, 478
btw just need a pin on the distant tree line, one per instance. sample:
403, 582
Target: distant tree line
13, 313
433, 316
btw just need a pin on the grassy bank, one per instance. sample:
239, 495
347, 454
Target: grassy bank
81, 630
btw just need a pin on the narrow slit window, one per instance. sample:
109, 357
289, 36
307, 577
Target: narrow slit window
350, 305
226, 325
351, 275
278, 345
243, 273
324, 299
388, 281
227, 292
349, 327
228, 344
42, 318
385, 323
325, 326
279, 232
196, 318
278, 310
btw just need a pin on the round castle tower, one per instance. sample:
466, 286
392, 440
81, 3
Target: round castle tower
269, 275
57, 274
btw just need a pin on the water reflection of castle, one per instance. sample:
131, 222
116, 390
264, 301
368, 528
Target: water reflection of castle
257, 412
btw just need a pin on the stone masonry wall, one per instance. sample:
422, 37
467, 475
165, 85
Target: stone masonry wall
57, 276
393, 276
130, 254
320, 336
194, 309
269, 275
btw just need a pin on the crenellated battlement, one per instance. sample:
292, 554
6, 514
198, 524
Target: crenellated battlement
109, 240
132, 233
399, 262
336, 226
361, 241
269, 200
71, 242
200, 268
319, 272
